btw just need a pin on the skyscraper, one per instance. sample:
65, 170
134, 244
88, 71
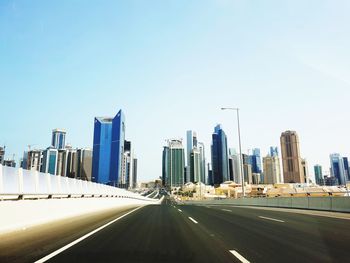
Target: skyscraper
247, 168
347, 168
127, 167
85, 164
174, 163
291, 160
117, 148
134, 173
2, 155
318, 174
256, 161
305, 170
32, 160
58, 139
108, 149
234, 166
203, 174
62, 162
219, 156
165, 166
195, 166
337, 168
72, 169
50, 158
192, 142
101, 156
272, 170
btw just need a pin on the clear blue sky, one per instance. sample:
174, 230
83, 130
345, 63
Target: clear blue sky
170, 65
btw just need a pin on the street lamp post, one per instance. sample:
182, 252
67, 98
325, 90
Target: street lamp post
240, 147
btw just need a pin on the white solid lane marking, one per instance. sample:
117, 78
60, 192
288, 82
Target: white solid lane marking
179, 210
239, 256
272, 219
194, 221
44, 259
226, 210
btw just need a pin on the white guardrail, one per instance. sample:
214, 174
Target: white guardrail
17, 183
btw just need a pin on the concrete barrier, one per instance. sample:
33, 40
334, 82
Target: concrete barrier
17, 183
320, 203
300, 202
341, 204
336, 204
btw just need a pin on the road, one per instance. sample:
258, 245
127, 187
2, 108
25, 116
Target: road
189, 233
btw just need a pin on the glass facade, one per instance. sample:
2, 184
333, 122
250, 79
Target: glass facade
337, 167
58, 139
101, 150
108, 149
192, 143
50, 157
52, 162
318, 174
220, 167
177, 166
256, 161
165, 168
117, 148
173, 164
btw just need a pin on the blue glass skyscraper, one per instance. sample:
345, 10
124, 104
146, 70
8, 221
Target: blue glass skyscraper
256, 161
58, 140
337, 168
220, 168
108, 149
102, 150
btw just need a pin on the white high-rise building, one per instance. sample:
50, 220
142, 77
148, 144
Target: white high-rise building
272, 170
234, 165
203, 168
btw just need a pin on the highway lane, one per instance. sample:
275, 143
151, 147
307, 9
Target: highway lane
274, 236
32, 243
155, 233
189, 233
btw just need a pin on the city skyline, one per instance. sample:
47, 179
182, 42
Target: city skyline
254, 160
290, 75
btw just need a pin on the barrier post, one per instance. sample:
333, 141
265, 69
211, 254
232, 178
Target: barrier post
20, 183
48, 183
36, 178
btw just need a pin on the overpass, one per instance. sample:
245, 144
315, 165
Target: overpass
141, 229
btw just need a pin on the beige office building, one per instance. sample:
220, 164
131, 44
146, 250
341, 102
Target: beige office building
293, 171
272, 170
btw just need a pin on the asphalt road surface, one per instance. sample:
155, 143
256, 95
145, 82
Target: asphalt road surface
189, 233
